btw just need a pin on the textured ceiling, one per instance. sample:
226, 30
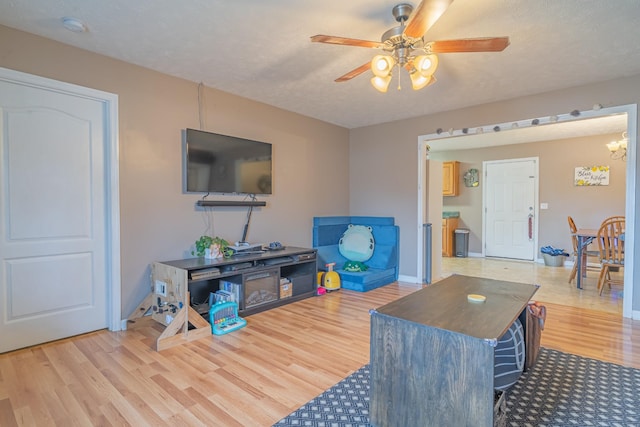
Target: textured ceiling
261, 50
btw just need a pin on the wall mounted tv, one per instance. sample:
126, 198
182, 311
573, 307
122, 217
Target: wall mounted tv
215, 163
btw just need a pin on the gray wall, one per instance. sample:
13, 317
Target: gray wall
384, 178
379, 163
557, 161
158, 221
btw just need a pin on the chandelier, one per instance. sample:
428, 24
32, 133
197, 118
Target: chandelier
618, 149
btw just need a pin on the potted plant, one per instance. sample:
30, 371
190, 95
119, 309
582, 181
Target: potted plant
212, 247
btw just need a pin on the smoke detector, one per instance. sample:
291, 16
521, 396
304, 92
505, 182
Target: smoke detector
74, 24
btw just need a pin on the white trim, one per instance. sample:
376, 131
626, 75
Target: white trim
631, 110
112, 213
422, 215
408, 279
630, 209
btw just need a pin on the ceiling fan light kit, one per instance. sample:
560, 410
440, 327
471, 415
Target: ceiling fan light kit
407, 48
381, 65
426, 64
418, 81
381, 83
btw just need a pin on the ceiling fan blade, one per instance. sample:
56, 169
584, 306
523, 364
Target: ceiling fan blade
320, 38
424, 16
354, 73
484, 44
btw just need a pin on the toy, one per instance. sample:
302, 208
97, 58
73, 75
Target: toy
354, 266
224, 318
356, 243
331, 279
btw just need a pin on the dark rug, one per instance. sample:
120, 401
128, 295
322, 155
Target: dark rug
561, 390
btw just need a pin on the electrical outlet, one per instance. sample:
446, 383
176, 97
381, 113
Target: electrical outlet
161, 288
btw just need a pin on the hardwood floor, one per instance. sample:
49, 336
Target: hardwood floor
251, 377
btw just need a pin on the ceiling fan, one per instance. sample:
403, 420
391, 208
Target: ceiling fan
405, 46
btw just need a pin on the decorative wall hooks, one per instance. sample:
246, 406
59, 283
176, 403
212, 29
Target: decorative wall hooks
554, 118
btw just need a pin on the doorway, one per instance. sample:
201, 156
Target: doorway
60, 269
628, 111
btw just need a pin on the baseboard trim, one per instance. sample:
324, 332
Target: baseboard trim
408, 279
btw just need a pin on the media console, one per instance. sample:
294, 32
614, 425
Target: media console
179, 297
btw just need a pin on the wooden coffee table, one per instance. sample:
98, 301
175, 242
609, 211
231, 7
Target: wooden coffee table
432, 352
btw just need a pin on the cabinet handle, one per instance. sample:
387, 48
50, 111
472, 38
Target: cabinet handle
530, 226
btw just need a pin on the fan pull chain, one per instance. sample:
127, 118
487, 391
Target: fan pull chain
399, 73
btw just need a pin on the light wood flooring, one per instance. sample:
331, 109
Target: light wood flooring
251, 377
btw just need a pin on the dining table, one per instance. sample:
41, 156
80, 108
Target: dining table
584, 236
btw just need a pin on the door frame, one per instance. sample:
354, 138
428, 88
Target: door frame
631, 110
112, 184
536, 204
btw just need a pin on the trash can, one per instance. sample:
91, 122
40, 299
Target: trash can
553, 257
553, 260
462, 242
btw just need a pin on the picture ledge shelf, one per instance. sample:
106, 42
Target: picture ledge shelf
230, 203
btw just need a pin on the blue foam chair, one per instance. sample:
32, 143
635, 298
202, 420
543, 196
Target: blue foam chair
384, 263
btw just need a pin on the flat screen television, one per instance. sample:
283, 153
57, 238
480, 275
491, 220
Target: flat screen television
215, 163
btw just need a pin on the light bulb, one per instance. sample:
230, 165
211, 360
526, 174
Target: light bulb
381, 83
426, 64
418, 81
381, 65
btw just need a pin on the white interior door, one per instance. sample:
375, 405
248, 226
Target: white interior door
53, 241
510, 208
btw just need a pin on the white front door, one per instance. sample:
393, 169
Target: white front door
55, 261
510, 214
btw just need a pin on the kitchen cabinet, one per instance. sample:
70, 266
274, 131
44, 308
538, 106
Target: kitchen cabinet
450, 178
449, 226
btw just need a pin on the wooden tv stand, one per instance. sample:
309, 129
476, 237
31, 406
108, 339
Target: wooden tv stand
180, 289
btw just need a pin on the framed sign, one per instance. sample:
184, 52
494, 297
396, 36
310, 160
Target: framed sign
591, 175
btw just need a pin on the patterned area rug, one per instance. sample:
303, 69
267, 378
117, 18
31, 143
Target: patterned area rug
561, 390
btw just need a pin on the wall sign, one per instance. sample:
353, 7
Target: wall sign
591, 175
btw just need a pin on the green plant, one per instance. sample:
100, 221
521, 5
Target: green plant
205, 242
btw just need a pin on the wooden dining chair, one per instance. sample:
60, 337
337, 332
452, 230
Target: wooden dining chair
593, 254
611, 246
